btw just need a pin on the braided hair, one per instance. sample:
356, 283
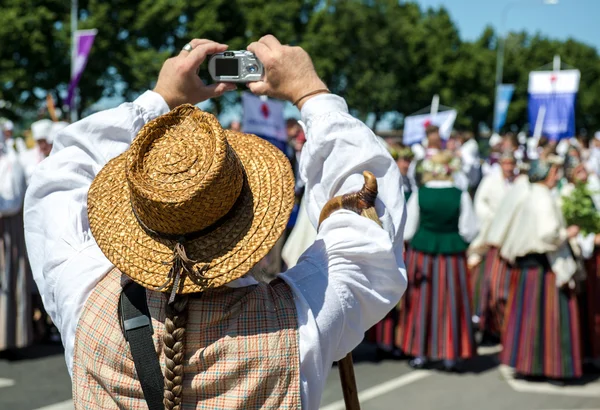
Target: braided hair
173, 340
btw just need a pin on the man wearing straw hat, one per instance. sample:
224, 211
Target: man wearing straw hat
157, 193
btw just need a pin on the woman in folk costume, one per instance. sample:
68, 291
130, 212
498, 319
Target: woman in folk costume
487, 288
170, 200
541, 323
580, 202
15, 276
436, 325
383, 334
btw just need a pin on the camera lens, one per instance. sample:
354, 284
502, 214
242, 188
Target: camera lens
252, 68
228, 54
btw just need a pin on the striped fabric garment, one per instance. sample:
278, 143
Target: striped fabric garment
16, 286
494, 291
590, 308
241, 350
383, 333
541, 335
477, 280
437, 321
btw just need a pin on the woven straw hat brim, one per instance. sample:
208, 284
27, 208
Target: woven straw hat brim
224, 253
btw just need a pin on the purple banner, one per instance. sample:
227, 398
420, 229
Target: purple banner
83, 40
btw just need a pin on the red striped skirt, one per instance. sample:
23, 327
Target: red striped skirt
384, 332
435, 322
494, 292
541, 334
590, 308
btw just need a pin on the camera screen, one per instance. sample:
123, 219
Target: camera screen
226, 67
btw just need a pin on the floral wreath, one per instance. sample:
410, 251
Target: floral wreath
437, 169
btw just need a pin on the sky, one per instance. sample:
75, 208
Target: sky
577, 19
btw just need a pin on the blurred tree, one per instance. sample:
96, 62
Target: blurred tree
381, 55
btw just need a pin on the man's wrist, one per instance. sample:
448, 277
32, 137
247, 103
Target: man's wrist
312, 89
153, 103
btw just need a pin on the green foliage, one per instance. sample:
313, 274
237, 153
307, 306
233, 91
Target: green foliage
381, 55
578, 209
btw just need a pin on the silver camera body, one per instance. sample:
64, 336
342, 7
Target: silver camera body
235, 67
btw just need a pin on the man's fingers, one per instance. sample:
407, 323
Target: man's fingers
259, 87
217, 89
199, 53
270, 41
261, 51
195, 42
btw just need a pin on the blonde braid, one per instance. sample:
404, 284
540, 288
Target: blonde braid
173, 339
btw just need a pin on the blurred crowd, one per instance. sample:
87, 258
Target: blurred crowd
499, 248
23, 320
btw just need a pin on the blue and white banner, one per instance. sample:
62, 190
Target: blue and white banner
556, 91
265, 119
414, 126
504, 94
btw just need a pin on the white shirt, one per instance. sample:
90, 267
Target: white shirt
12, 180
30, 159
489, 194
488, 197
467, 221
469, 155
343, 284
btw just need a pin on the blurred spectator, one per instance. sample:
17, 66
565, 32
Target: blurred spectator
42, 134
15, 276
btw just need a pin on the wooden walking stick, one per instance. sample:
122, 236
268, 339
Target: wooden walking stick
363, 203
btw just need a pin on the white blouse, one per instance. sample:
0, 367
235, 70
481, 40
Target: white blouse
468, 225
343, 284
12, 180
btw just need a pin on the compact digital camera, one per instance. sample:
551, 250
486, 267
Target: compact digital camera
235, 67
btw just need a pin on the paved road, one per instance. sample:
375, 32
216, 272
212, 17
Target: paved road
37, 379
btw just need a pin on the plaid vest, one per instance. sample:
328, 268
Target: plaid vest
241, 350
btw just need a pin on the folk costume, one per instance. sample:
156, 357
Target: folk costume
436, 325
488, 291
580, 200
540, 334
188, 209
15, 276
383, 334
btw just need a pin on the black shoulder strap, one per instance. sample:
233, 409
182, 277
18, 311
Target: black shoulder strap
137, 327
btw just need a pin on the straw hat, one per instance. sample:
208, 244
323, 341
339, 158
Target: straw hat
190, 206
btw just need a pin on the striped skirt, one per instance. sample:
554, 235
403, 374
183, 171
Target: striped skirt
16, 285
541, 329
436, 321
477, 279
383, 333
590, 308
494, 292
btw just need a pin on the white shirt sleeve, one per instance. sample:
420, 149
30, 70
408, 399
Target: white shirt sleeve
354, 272
551, 230
586, 244
412, 216
482, 200
468, 226
65, 259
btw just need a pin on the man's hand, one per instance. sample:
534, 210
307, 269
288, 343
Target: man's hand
290, 73
178, 82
